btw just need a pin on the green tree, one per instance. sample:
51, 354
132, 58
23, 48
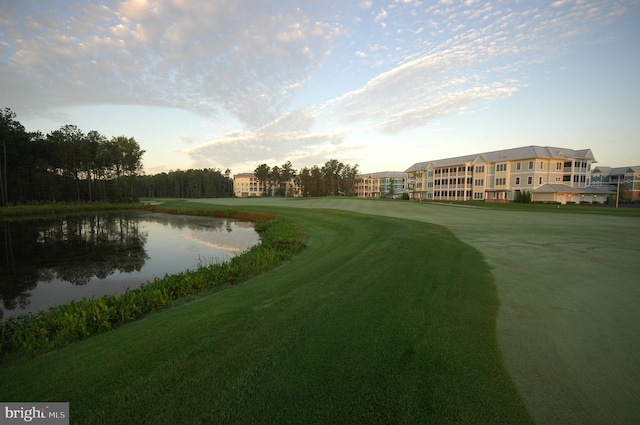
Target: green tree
262, 173
66, 148
331, 172
126, 157
287, 173
274, 181
348, 177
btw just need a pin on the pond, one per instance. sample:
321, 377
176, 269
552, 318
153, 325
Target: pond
50, 262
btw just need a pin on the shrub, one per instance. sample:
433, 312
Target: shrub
61, 325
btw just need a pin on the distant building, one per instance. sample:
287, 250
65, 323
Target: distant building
611, 177
246, 185
385, 184
550, 174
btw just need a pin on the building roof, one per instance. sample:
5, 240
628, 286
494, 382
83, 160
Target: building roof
382, 174
514, 154
617, 171
243, 175
601, 169
564, 188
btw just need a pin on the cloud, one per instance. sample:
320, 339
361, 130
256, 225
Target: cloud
260, 63
382, 15
205, 56
257, 148
477, 61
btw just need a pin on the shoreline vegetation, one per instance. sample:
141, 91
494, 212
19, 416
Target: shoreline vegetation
349, 330
64, 324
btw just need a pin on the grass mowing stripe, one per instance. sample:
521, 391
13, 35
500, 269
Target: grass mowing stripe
379, 320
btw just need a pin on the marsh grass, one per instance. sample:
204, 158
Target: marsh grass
379, 320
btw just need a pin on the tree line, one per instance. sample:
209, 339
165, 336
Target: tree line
333, 178
70, 165
65, 165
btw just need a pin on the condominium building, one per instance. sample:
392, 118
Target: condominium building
612, 177
246, 185
385, 184
549, 174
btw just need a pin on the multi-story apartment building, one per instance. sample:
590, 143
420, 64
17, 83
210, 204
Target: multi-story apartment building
550, 174
385, 184
246, 185
611, 177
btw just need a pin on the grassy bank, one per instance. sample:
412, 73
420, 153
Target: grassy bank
61, 325
352, 330
61, 208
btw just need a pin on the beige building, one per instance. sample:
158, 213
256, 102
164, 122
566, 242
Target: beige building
385, 184
549, 174
246, 185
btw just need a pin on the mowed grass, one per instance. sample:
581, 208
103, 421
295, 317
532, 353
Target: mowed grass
379, 320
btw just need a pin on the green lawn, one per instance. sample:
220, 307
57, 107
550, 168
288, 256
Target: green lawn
379, 320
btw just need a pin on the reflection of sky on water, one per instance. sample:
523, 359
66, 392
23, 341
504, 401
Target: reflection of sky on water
173, 244
170, 250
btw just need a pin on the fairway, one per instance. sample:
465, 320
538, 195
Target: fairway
374, 322
569, 322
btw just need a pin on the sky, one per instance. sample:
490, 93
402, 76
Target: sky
382, 84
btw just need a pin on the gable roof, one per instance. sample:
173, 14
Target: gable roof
514, 154
617, 171
564, 188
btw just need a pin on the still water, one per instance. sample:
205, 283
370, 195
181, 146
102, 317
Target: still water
50, 262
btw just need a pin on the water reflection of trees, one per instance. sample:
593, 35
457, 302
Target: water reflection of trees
194, 222
72, 249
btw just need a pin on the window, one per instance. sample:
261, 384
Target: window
480, 169
558, 165
501, 167
540, 180
531, 165
529, 180
479, 182
541, 165
518, 166
501, 181
518, 179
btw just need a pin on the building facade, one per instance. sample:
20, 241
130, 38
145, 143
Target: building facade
385, 184
247, 185
549, 174
612, 177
